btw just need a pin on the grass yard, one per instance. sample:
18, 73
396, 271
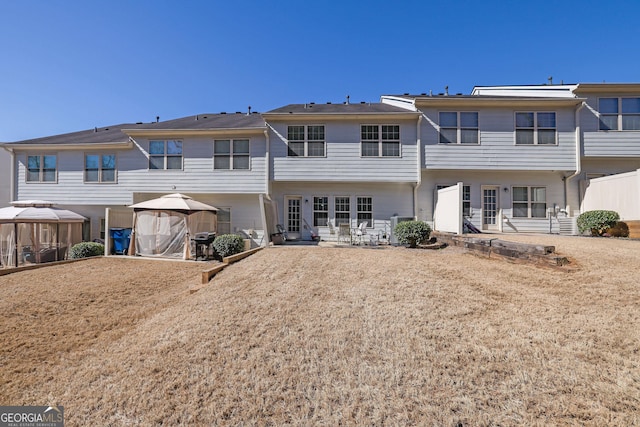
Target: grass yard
331, 336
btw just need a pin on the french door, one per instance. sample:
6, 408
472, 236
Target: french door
490, 207
293, 217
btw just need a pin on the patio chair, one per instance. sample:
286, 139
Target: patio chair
332, 229
361, 231
344, 233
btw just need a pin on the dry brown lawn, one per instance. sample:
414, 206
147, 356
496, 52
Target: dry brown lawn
331, 336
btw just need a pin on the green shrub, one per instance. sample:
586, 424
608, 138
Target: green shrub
228, 244
412, 232
597, 221
621, 229
86, 250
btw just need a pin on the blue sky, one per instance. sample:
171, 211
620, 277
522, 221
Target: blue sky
72, 65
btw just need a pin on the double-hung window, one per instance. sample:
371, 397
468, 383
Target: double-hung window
165, 154
619, 113
306, 141
529, 202
343, 210
537, 128
364, 210
231, 154
42, 168
100, 168
380, 140
458, 127
320, 211
224, 220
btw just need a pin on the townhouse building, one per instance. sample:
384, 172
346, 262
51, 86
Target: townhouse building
523, 156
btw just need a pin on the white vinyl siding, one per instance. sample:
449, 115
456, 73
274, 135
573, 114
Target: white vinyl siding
165, 154
343, 161
380, 140
306, 141
538, 128
132, 175
100, 168
497, 150
42, 168
458, 127
619, 113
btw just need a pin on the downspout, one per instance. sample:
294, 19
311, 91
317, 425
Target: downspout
267, 166
578, 158
267, 188
419, 177
12, 180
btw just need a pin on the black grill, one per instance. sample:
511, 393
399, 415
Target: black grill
203, 243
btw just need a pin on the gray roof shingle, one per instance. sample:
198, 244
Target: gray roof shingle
209, 121
361, 108
113, 134
97, 135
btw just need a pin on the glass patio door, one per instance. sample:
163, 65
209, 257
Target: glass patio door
294, 215
490, 208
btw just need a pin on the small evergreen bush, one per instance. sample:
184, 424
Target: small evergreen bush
597, 221
412, 232
621, 229
228, 244
86, 250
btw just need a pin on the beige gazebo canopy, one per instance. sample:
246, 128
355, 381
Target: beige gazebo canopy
34, 231
163, 227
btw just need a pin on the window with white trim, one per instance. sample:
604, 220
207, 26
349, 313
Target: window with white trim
343, 210
42, 168
458, 127
364, 210
100, 168
306, 141
231, 154
165, 154
536, 128
320, 211
380, 140
529, 202
619, 113
224, 221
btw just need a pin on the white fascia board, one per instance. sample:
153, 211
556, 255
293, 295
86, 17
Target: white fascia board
546, 91
70, 147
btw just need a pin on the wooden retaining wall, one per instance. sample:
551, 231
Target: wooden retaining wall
537, 254
634, 229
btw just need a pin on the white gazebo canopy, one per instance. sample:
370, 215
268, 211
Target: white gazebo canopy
37, 211
34, 231
174, 202
163, 227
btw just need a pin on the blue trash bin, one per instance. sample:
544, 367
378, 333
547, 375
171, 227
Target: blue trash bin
120, 238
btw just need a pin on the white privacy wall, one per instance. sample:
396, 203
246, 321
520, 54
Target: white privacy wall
448, 213
620, 193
